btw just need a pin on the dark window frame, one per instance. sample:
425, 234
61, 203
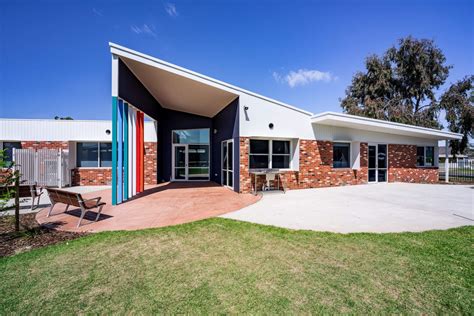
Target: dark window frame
425, 157
345, 145
269, 155
99, 162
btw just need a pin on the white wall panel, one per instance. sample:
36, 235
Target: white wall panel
288, 123
63, 130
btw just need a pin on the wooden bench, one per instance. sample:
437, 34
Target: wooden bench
26, 191
75, 199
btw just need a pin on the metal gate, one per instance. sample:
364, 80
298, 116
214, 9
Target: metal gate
46, 167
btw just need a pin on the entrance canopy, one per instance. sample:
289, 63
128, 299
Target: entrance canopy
174, 87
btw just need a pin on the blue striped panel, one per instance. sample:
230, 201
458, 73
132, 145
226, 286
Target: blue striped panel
120, 152
114, 150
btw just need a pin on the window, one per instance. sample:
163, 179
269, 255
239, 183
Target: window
191, 136
340, 155
425, 156
8, 147
93, 155
267, 154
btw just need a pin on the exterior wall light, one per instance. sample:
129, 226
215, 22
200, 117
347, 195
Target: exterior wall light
107, 131
271, 125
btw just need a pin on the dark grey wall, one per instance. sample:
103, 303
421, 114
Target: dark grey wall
168, 121
133, 91
226, 122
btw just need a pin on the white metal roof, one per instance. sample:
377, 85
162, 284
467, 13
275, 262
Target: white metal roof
174, 86
364, 123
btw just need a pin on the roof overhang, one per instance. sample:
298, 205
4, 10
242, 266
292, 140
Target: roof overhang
181, 89
363, 123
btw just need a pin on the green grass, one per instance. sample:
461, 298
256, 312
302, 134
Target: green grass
225, 266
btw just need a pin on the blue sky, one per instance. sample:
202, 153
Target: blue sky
54, 55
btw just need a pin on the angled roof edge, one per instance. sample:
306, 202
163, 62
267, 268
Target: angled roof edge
370, 122
116, 49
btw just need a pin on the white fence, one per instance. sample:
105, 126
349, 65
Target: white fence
46, 167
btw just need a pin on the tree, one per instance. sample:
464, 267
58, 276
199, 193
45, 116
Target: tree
68, 118
400, 85
9, 186
458, 102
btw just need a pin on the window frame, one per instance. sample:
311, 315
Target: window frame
433, 165
98, 166
2, 146
270, 153
350, 154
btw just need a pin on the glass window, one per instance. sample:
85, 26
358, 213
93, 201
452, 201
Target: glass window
8, 147
281, 154
93, 155
258, 146
259, 161
420, 156
191, 136
341, 154
106, 154
429, 156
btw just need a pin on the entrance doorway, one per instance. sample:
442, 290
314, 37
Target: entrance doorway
377, 163
190, 156
227, 151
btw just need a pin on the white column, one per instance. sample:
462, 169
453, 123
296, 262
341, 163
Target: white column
130, 151
446, 162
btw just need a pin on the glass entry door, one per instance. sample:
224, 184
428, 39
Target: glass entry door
227, 163
180, 162
377, 163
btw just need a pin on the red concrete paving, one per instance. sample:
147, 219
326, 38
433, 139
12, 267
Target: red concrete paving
163, 205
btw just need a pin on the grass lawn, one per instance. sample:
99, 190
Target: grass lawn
221, 265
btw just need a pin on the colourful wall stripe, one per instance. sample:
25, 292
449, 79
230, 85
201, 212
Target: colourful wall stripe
134, 153
120, 152
130, 154
125, 152
114, 150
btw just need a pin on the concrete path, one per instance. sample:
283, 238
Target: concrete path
390, 207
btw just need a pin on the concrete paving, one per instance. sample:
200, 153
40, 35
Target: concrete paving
25, 203
388, 207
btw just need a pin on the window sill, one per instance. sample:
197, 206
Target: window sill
93, 168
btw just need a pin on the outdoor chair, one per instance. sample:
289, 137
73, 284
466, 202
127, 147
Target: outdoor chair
26, 191
75, 199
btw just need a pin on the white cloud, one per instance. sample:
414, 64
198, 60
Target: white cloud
170, 8
303, 77
97, 12
144, 29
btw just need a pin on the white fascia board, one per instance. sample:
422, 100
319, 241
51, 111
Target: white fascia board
389, 127
158, 63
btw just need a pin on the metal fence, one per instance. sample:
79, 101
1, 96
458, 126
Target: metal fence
46, 167
459, 171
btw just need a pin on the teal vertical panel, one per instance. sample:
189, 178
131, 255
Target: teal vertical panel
114, 150
125, 152
120, 152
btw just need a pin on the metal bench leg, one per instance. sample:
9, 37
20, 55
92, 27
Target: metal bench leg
83, 212
50, 209
67, 207
38, 203
32, 203
98, 214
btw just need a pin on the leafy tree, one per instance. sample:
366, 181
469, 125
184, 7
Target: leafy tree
9, 186
68, 118
400, 85
458, 102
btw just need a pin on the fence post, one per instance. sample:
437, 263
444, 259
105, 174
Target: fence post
446, 162
60, 176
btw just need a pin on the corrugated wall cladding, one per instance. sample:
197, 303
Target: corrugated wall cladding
62, 130
336, 133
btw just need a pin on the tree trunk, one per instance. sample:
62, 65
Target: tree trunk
17, 204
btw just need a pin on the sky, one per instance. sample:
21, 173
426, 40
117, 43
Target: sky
55, 60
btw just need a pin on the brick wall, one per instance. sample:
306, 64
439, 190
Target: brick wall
402, 166
99, 176
315, 168
44, 145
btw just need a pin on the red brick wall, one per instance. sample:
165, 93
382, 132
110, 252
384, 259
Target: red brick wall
99, 176
315, 168
402, 166
44, 145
